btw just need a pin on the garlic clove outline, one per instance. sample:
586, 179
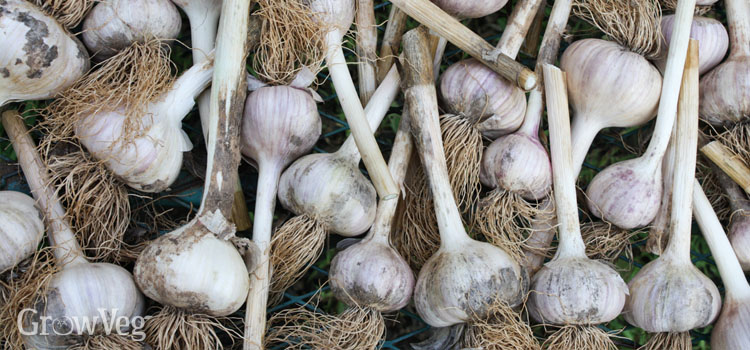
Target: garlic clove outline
39, 58
21, 228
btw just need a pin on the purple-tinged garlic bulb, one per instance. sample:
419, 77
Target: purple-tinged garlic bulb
471, 90
149, 158
21, 228
39, 59
518, 163
114, 25
471, 8
710, 33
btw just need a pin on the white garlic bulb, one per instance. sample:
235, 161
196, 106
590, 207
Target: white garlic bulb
39, 58
712, 37
471, 90
577, 291
192, 269
113, 25
345, 203
732, 329
470, 8
151, 160
461, 282
21, 228
517, 163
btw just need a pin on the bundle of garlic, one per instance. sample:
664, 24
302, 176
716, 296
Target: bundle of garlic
44, 63
195, 271
465, 280
572, 290
479, 103
669, 296
369, 276
725, 89
628, 194
345, 204
77, 289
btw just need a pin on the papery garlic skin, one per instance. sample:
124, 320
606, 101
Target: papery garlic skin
471, 90
470, 9
285, 111
330, 190
372, 274
576, 291
191, 269
732, 329
739, 236
517, 163
21, 228
725, 92
39, 59
149, 163
113, 25
626, 194
460, 283
80, 293
712, 37
610, 84
666, 296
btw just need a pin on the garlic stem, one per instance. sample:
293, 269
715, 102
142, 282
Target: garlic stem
442, 44
569, 230
227, 100
367, 45
685, 148
265, 202
671, 84
728, 163
181, 97
61, 236
375, 111
450, 28
397, 164
355, 115
534, 111
519, 22
729, 267
421, 98
738, 16
391, 41
584, 131
737, 198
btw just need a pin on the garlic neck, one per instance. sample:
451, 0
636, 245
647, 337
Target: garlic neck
738, 16
518, 25
534, 111
181, 97
584, 130
204, 22
265, 201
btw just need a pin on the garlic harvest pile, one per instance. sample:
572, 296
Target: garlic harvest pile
725, 90
571, 290
628, 194
344, 204
196, 269
369, 276
669, 296
280, 124
148, 159
105, 286
732, 329
21, 228
464, 277
39, 58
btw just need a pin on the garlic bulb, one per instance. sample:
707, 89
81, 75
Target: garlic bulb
470, 9
173, 270
150, 158
472, 90
601, 96
21, 228
113, 25
518, 163
39, 58
80, 291
739, 235
710, 33
725, 91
